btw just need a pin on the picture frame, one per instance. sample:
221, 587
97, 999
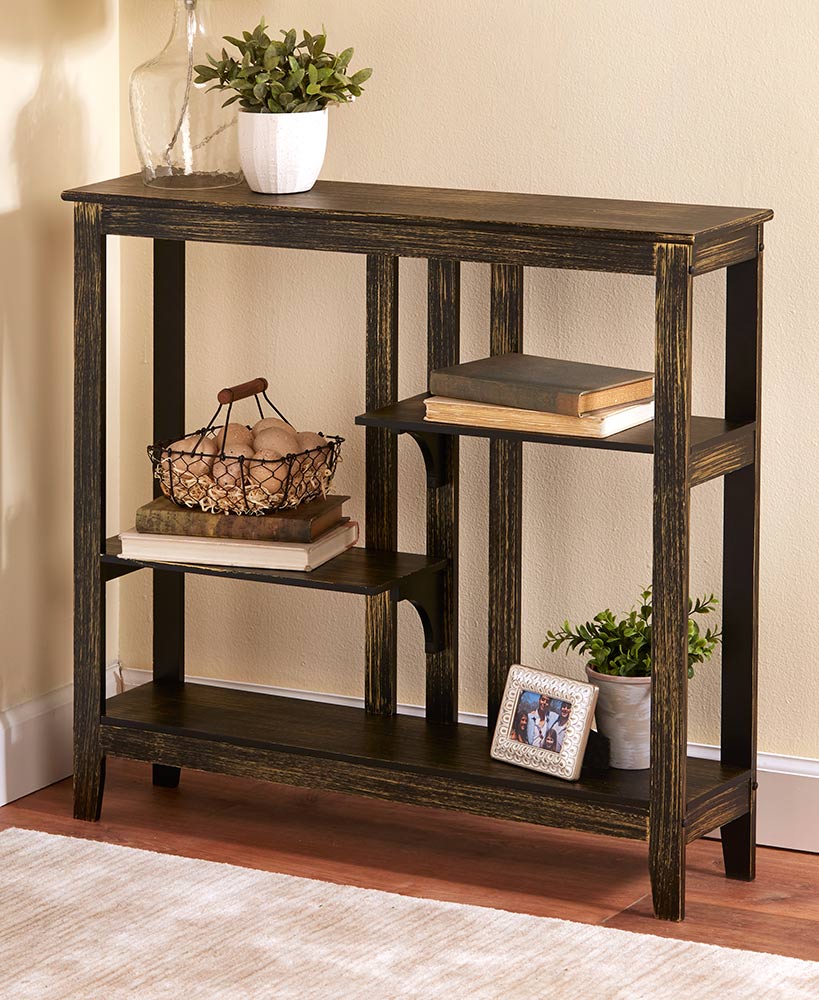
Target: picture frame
558, 715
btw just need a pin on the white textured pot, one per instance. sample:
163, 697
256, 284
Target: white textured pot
623, 716
282, 154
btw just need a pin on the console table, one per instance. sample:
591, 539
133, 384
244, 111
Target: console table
435, 761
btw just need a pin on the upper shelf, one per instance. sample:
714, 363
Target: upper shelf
717, 446
540, 230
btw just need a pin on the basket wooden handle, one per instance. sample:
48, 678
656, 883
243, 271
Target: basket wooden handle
234, 392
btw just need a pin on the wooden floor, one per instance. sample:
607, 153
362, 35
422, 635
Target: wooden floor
439, 855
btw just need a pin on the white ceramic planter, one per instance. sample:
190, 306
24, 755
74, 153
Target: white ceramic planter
282, 154
623, 716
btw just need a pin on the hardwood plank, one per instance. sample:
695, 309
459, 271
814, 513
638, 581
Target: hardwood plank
415, 851
649, 221
669, 635
432, 853
89, 508
443, 349
400, 743
740, 553
728, 453
778, 913
723, 248
381, 494
356, 571
505, 500
489, 243
714, 442
169, 423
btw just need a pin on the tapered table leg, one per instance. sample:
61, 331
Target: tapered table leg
505, 499
443, 338
89, 508
169, 422
381, 648
669, 636
740, 563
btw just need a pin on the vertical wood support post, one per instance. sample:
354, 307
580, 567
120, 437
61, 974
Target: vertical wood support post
740, 562
169, 422
89, 508
505, 498
669, 634
382, 477
443, 349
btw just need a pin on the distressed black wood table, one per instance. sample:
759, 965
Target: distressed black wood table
435, 761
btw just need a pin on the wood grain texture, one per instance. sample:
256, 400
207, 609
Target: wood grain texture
381, 506
443, 348
356, 571
490, 244
505, 499
649, 221
223, 724
169, 423
89, 508
711, 437
740, 548
669, 636
713, 811
720, 457
722, 248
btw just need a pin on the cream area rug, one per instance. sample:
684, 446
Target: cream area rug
80, 920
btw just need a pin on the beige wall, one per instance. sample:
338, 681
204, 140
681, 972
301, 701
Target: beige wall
696, 102
59, 125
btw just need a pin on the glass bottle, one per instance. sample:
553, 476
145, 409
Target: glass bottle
184, 137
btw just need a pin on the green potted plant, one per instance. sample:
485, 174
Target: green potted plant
619, 651
284, 89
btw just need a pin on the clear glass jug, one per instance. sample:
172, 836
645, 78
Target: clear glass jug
184, 137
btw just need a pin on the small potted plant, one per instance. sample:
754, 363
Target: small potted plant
284, 89
620, 666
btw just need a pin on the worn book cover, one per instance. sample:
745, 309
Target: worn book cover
304, 523
528, 382
300, 556
598, 424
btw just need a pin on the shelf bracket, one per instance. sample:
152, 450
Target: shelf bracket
433, 450
425, 592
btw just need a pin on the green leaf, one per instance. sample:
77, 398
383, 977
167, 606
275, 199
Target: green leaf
312, 72
343, 60
231, 100
362, 75
260, 91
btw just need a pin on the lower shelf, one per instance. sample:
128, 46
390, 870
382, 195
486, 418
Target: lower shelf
402, 758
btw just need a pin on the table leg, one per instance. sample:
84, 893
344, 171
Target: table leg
669, 635
89, 508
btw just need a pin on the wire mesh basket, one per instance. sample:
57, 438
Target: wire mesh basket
219, 468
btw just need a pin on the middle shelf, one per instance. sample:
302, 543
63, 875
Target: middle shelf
356, 571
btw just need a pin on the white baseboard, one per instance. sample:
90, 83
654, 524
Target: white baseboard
36, 741
788, 797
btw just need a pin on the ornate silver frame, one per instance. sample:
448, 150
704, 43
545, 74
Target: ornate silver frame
569, 761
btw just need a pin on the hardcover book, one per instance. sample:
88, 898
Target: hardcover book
298, 556
304, 523
599, 424
527, 382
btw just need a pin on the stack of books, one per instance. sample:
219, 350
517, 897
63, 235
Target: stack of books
301, 539
521, 392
